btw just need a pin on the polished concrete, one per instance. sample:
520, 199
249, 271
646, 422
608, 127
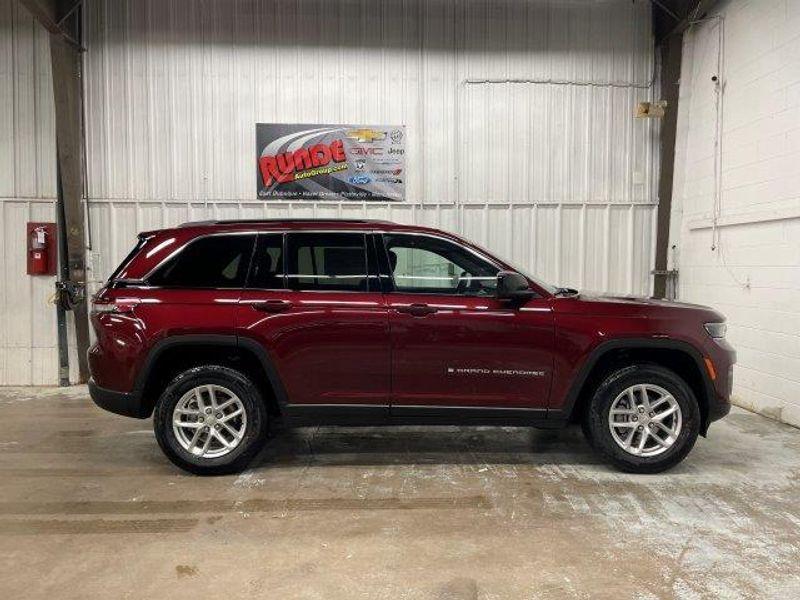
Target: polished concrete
89, 508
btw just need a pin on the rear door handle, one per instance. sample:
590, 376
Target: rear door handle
417, 310
272, 306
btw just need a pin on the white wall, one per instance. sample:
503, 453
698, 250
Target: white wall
558, 178
753, 275
28, 350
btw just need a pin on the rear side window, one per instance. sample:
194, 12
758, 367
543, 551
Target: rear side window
267, 271
327, 261
215, 261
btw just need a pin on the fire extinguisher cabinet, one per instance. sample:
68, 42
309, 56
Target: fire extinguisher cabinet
42, 248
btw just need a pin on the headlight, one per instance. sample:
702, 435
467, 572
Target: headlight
716, 330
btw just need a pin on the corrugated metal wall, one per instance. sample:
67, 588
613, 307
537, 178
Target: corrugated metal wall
28, 353
552, 173
558, 177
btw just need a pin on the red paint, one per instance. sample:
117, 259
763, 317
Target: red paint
390, 349
330, 348
482, 340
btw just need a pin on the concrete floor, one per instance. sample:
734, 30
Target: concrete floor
90, 508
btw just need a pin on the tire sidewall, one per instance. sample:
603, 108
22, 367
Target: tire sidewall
615, 384
254, 408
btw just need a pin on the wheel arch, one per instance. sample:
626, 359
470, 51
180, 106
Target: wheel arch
679, 356
171, 355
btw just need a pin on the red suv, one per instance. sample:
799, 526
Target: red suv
218, 327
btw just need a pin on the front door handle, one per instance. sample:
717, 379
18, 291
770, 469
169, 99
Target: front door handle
272, 306
417, 310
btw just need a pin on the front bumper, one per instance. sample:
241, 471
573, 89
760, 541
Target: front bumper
717, 410
122, 403
719, 391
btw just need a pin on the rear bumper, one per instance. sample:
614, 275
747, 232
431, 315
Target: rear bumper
121, 403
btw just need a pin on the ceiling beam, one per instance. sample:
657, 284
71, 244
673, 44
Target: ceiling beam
695, 11
44, 11
51, 13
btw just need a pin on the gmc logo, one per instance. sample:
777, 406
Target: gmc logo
359, 151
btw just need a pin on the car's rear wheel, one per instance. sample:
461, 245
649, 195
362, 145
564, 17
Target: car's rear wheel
644, 418
211, 420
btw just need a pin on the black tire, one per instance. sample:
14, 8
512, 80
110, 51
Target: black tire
255, 432
597, 418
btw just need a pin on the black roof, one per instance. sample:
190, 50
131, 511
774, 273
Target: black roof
255, 221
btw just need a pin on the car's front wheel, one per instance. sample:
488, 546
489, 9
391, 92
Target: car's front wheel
644, 418
210, 420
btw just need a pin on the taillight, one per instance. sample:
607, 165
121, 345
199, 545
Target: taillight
120, 307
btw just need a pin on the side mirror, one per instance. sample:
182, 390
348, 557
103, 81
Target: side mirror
513, 286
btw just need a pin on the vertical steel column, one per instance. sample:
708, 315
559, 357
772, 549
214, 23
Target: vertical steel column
63, 275
671, 50
67, 91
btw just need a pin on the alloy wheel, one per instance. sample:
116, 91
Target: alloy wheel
209, 421
645, 420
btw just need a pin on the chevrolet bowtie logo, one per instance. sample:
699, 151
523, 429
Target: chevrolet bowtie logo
366, 135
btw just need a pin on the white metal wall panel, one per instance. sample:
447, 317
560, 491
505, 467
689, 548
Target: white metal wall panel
28, 353
555, 176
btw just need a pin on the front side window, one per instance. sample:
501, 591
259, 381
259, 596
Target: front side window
215, 261
429, 265
327, 261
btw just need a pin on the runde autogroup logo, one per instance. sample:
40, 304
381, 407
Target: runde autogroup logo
303, 162
366, 136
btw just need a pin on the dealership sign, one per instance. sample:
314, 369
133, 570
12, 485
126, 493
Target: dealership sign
330, 162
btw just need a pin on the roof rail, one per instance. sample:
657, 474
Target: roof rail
255, 221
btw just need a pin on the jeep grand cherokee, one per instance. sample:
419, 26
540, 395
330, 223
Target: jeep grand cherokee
215, 328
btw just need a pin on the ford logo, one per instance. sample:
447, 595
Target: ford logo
360, 179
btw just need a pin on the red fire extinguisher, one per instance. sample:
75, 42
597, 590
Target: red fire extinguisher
41, 249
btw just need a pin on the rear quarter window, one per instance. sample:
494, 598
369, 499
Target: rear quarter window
214, 261
120, 271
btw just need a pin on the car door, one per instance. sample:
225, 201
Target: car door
195, 290
454, 344
314, 305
